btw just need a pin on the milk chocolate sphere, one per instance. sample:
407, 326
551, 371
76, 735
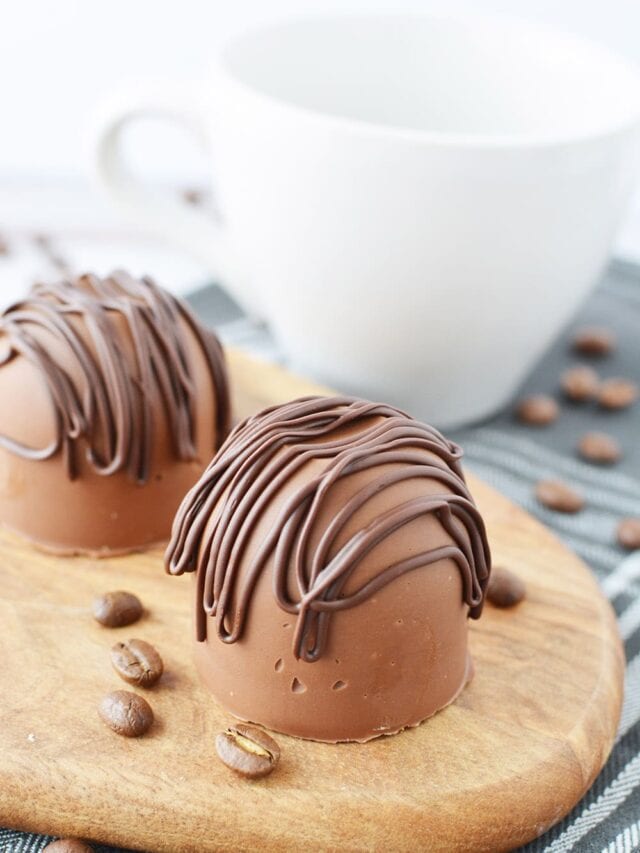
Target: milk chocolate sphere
337, 555
112, 400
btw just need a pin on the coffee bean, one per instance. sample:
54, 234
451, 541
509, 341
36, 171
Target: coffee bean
617, 393
193, 196
249, 751
580, 383
137, 662
559, 496
116, 609
629, 533
61, 264
505, 589
4, 246
43, 241
600, 448
537, 410
67, 845
594, 340
126, 713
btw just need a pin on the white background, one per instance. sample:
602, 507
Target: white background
60, 58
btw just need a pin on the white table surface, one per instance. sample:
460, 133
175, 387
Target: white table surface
86, 231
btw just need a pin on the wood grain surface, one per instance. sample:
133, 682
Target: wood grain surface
506, 761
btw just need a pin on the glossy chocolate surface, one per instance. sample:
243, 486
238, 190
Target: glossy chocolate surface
113, 399
338, 554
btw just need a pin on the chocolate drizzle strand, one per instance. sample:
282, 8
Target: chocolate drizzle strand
213, 525
121, 343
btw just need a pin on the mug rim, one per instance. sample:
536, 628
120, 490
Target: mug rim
436, 138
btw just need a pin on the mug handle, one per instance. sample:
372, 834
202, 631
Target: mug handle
177, 221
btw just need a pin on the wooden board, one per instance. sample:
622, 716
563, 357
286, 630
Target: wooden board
506, 761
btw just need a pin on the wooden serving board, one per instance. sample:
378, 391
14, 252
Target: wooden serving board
506, 761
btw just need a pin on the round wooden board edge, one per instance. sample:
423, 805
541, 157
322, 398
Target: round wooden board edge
609, 690
267, 381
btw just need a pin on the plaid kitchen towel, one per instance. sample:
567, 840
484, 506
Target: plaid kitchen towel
512, 457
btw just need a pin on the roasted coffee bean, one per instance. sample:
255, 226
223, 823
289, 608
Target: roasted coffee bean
537, 410
116, 609
580, 383
193, 196
629, 533
594, 340
559, 496
617, 393
137, 662
505, 589
43, 241
60, 263
600, 448
249, 751
126, 713
67, 845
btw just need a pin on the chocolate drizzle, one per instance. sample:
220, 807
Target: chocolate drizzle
216, 518
120, 343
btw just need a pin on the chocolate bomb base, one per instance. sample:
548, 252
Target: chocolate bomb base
92, 514
338, 556
390, 663
65, 502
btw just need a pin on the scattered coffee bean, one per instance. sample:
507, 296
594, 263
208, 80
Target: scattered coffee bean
537, 410
554, 494
600, 448
594, 340
617, 393
193, 196
67, 845
116, 609
43, 241
45, 244
505, 589
580, 383
249, 751
60, 263
126, 713
629, 533
137, 662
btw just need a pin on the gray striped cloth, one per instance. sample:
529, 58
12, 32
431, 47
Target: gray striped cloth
512, 458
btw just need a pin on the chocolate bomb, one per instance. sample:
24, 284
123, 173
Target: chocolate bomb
337, 555
113, 398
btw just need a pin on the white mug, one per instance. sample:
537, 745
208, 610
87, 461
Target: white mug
416, 205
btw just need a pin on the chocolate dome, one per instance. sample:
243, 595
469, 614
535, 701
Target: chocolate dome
112, 399
338, 555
